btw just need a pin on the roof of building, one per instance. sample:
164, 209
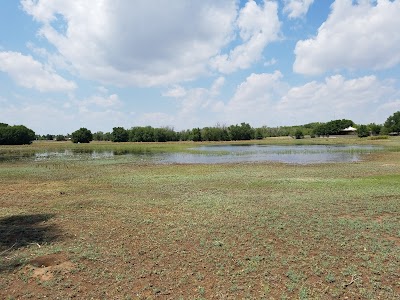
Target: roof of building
350, 129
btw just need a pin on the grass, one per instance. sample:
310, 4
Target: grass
134, 230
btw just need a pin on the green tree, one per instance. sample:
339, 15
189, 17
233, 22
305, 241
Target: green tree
196, 135
16, 135
259, 134
242, 132
363, 131
82, 135
299, 134
375, 128
392, 123
98, 136
60, 138
119, 134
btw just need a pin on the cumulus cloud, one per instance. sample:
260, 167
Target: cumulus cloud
361, 35
266, 99
257, 93
296, 8
32, 115
29, 73
136, 43
195, 106
102, 101
176, 91
358, 98
258, 26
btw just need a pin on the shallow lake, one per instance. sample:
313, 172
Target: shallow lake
306, 154
298, 154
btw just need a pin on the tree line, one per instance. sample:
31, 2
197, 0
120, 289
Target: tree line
19, 134
242, 132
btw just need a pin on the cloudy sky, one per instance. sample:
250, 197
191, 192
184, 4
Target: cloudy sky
185, 64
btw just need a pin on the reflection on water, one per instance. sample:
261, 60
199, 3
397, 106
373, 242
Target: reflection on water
220, 154
285, 154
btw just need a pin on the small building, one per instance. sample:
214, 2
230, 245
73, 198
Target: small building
349, 130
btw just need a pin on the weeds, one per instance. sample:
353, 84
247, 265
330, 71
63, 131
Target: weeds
203, 231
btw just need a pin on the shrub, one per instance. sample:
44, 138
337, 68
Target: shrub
82, 135
15, 135
299, 134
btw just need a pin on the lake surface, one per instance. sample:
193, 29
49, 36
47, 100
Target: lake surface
305, 154
297, 154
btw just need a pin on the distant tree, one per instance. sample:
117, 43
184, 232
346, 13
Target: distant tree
98, 136
196, 135
375, 128
82, 135
107, 136
16, 135
3, 125
165, 134
216, 133
60, 138
392, 123
119, 134
363, 131
49, 137
259, 134
299, 134
332, 127
242, 132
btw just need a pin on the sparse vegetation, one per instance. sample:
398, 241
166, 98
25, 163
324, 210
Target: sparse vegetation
128, 229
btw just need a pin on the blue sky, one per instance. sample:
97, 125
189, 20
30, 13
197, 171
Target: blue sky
185, 64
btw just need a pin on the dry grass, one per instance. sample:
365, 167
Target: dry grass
125, 230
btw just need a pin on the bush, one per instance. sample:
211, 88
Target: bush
15, 135
379, 137
60, 138
298, 134
362, 131
82, 135
119, 134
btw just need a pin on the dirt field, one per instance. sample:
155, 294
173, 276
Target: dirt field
114, 229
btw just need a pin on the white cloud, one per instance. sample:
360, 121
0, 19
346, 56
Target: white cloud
29, 73
357, 99
196, 106
266, 99
270, 62
258, 26
176, 91
217, 85
32, 116
356, 36
296, 8
136, 43
255, 99
102, 101
102, 89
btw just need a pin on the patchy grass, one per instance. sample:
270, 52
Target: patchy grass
130, 230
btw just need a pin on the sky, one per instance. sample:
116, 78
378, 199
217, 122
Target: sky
186, 64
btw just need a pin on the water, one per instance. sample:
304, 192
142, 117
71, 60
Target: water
263, 153
305, 154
